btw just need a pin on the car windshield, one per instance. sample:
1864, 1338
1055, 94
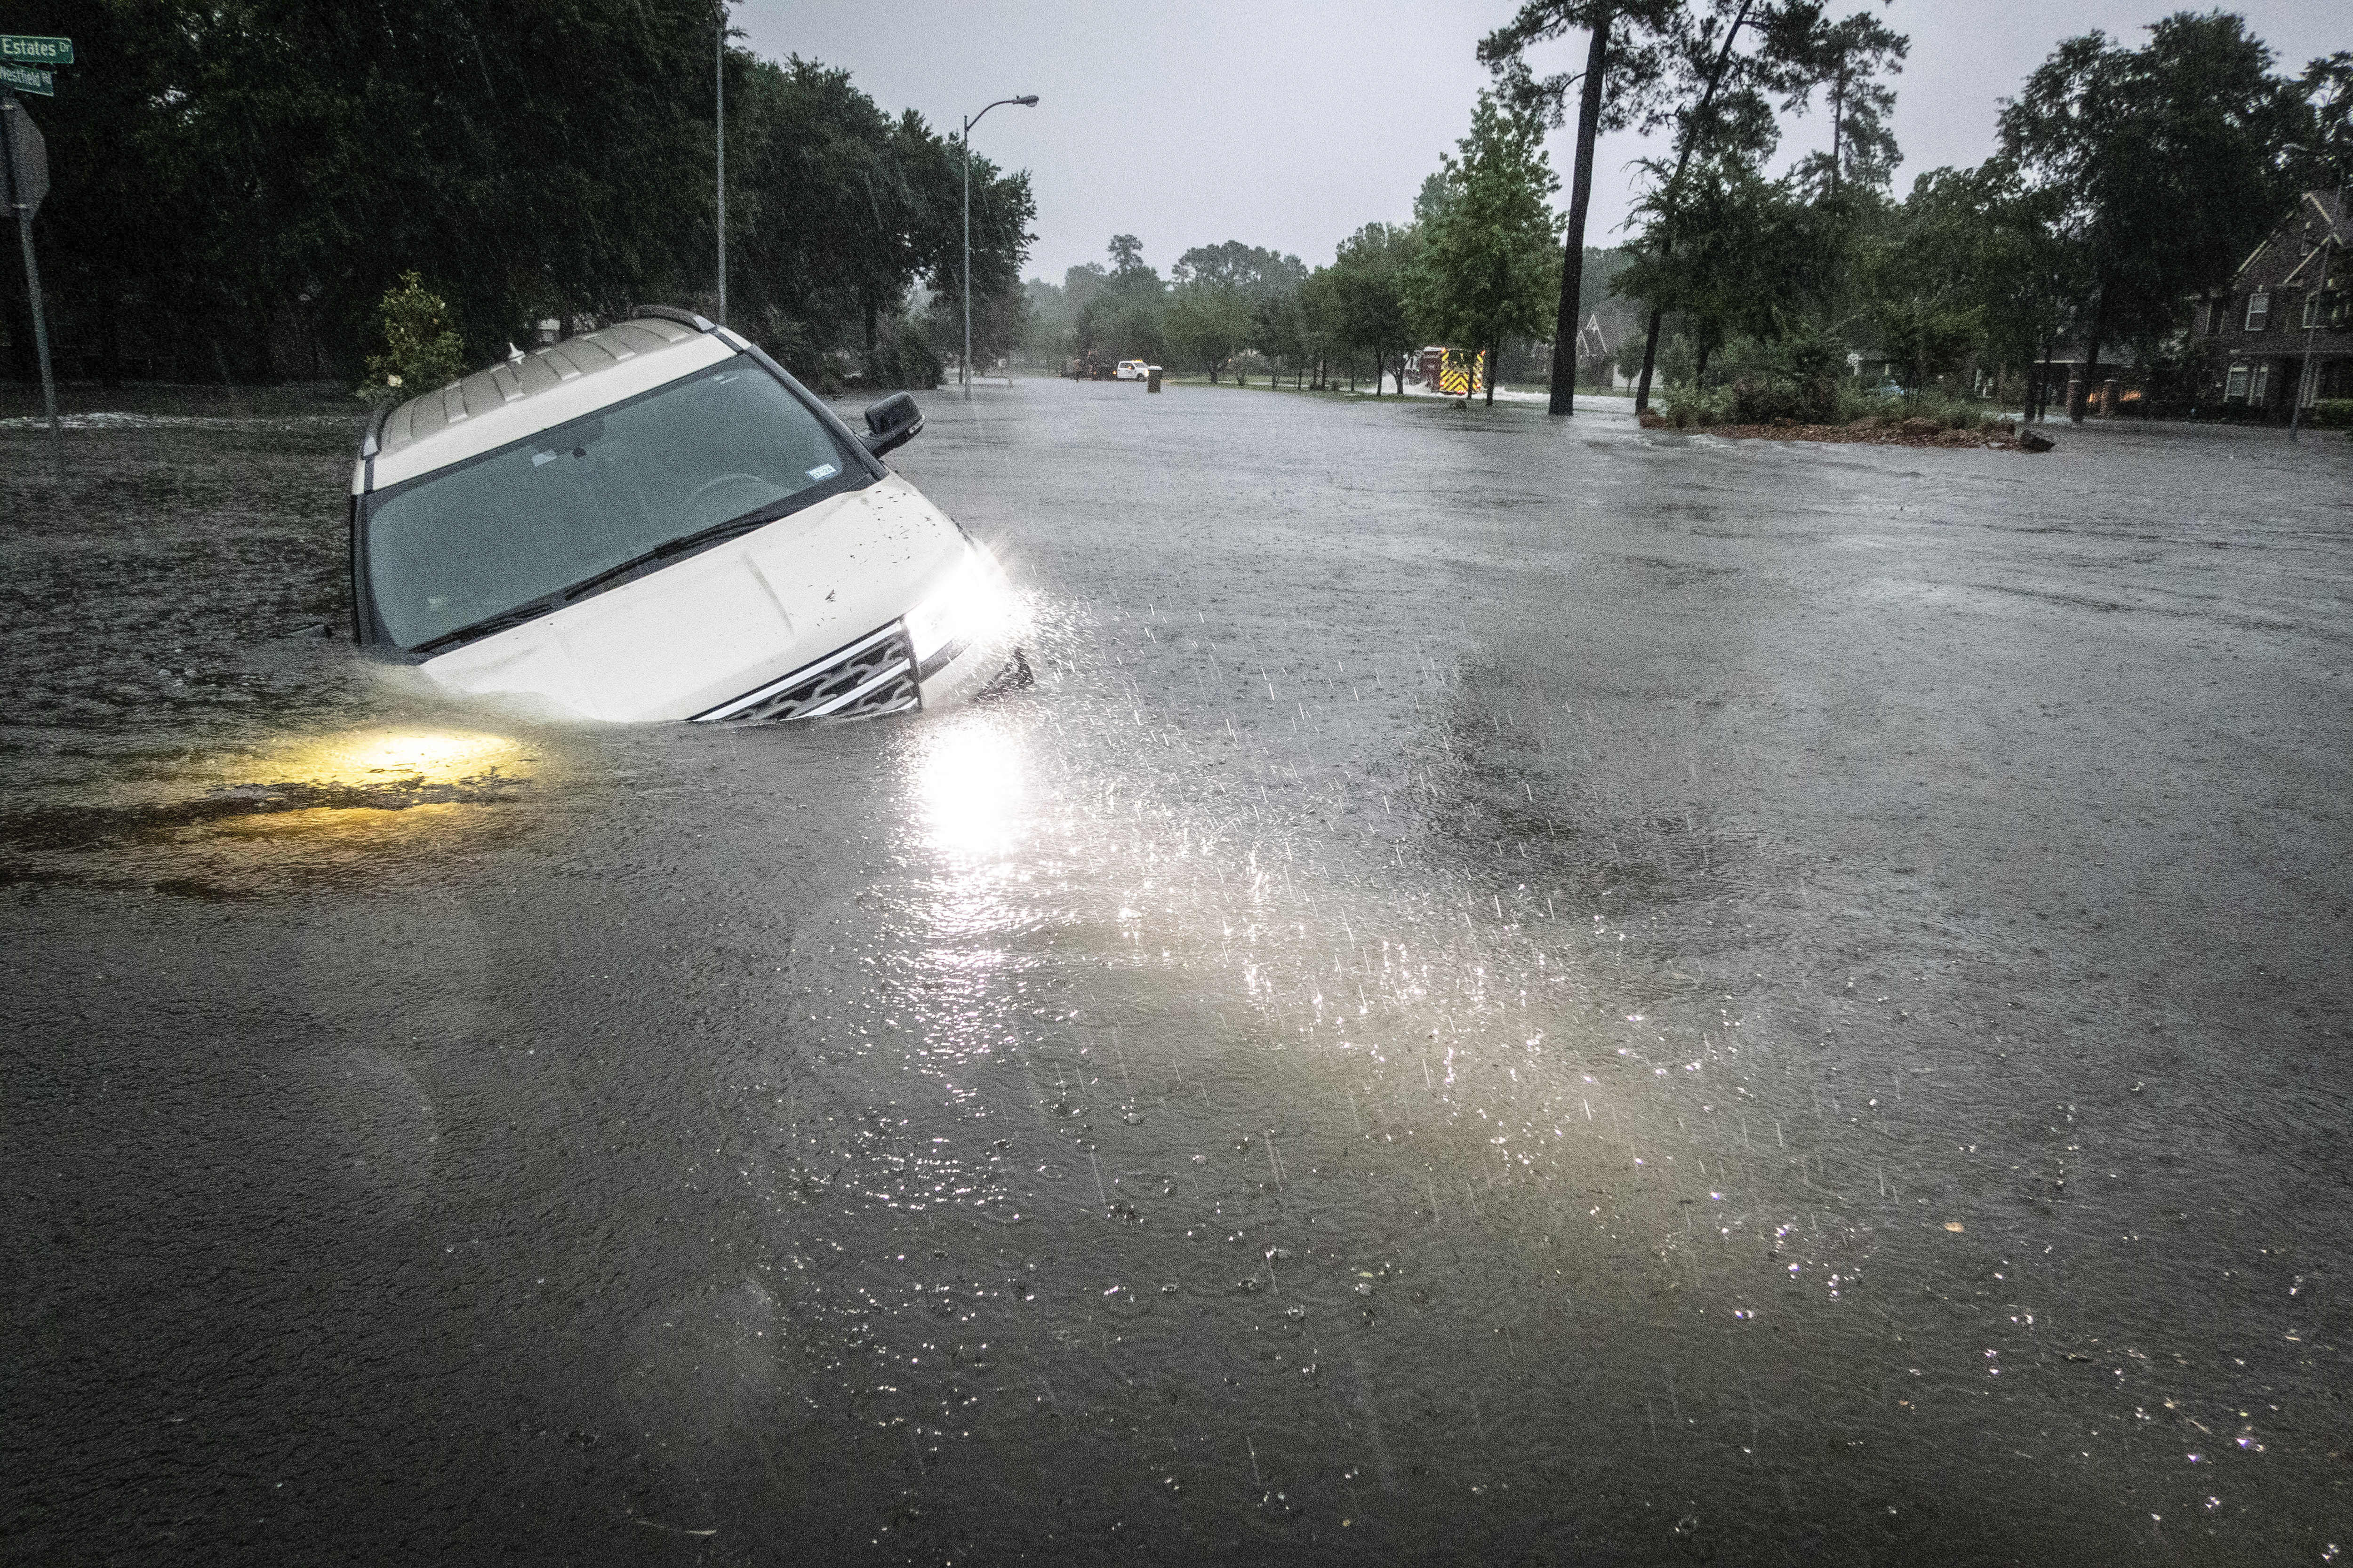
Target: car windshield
518, 532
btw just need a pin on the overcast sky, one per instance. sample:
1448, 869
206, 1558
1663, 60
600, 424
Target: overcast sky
1292, 123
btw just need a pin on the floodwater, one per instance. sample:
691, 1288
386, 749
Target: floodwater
1514, 993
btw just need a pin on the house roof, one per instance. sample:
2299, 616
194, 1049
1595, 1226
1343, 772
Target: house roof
2330, 207
2325, 207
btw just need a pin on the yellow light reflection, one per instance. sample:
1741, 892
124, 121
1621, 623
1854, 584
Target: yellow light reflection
401, 756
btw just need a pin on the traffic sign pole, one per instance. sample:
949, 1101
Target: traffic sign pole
26, 162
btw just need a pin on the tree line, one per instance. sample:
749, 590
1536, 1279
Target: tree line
1476, 266
235, 187
2128, 180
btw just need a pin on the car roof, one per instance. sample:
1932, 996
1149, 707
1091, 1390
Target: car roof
534, 391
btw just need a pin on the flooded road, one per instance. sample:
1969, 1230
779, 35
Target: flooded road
1512, 993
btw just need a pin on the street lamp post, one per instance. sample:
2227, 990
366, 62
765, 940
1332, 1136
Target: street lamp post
963, 368
719, 81
2303, 384
2312, 328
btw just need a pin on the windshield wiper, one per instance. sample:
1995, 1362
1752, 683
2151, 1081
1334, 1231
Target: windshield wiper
484, 627
716, 534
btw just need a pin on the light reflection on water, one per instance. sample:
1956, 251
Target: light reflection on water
971, 788
390, 756
285, 810
1067, 836
1331, 1101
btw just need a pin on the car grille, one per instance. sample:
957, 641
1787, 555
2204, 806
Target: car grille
875, 675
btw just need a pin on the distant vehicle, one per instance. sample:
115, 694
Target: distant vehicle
654, 520
1458, 374
1130, 370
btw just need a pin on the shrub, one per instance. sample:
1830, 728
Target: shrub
1953, 410
1814, 401
902, 356
1687, 406
2332, 414
421, 349
1796, 377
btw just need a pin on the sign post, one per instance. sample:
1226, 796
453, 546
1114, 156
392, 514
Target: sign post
24, 171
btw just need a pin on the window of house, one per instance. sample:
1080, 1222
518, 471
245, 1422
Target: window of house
2259, 311
2259, 389
2235, 389
2324, 310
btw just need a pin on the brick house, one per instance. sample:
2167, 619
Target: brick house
2292, 292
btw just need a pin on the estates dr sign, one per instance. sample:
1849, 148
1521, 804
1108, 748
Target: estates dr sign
15, 49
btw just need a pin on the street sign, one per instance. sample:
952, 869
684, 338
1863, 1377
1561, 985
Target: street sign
18, 49
26, 79
28, 157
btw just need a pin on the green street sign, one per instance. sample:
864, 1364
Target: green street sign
24, 79
15, 49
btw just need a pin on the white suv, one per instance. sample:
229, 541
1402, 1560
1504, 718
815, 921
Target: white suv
654, 520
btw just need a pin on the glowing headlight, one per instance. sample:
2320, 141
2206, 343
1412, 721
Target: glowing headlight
970, 606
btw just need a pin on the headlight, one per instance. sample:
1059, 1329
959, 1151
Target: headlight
971, 604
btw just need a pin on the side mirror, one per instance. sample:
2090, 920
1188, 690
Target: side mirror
891, 423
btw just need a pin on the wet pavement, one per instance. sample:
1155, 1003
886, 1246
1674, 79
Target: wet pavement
1514, 994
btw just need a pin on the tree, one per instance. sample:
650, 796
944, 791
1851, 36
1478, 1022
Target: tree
247, 179
1847, 61
2162, 162
1126, 316
1216, 291
1720, 89
2327, 91
1208, 323
1279, 322
1617, 88
1367, 290
1969, 261
1487, 270
1315, 319
1733, 253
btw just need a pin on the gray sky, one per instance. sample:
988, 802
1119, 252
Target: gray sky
1290, 123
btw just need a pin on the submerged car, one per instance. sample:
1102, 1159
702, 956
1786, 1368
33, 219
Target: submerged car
655, 521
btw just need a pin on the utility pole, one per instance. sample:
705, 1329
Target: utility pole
720, 78
964, 366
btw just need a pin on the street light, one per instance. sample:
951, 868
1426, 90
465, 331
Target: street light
963, 370
719, 121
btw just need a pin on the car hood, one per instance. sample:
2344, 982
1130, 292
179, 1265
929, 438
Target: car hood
719, 624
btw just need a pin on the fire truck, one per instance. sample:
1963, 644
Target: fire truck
1459, 375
